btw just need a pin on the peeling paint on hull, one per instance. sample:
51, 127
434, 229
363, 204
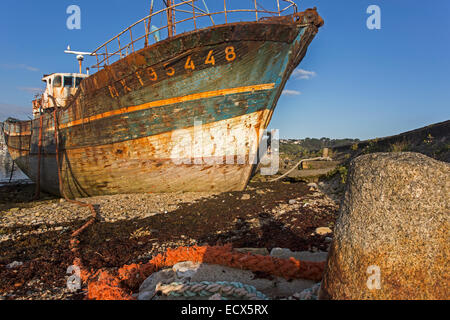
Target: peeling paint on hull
131, 128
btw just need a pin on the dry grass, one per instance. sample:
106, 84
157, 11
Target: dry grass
400, 146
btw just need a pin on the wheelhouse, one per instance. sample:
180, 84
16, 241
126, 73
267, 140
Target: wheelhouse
59, 89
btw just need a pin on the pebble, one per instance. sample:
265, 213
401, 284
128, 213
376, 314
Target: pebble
323, 231
14, 265
293, 201
308, 294
185, 269
245, 197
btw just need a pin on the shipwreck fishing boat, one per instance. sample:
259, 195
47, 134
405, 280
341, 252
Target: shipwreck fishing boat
165, 111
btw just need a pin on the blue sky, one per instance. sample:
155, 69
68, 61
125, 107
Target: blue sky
354, 82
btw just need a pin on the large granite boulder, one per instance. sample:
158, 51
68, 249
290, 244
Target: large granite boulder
391, 240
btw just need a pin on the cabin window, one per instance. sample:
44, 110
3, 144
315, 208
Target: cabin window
57, 81
77, 82
68, 82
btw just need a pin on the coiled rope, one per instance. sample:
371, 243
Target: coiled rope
206, 289
129, 277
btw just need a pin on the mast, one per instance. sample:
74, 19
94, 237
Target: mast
80, 59
169, 4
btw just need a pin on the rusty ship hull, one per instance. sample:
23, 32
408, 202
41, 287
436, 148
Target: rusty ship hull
166, 118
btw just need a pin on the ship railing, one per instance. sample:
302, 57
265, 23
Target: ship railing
143, 33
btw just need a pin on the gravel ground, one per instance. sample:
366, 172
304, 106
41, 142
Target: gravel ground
57, 214
133, 228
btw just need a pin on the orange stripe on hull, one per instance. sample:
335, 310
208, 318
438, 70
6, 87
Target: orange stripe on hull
160, 103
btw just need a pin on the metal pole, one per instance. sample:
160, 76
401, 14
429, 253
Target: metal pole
120, 48
225, 9
132, 41
193, 14
174, 18
107, 56
149, 24
170, 18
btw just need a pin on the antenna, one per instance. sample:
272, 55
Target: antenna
80, 57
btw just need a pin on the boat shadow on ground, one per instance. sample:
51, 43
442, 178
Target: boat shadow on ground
20, 194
